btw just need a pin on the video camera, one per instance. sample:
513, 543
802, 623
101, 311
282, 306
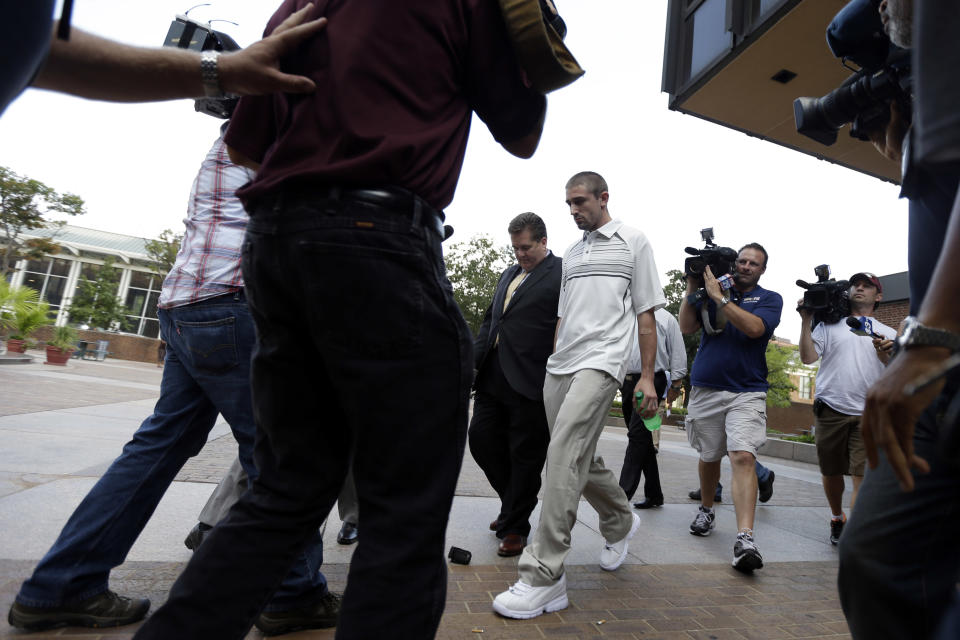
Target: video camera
187, 33
721, 260
884, 75
829, 299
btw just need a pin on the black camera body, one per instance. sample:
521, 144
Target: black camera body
187, 33
829, 299
856, 34
721, 260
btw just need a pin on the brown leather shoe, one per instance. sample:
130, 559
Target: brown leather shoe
494, 525
511, 545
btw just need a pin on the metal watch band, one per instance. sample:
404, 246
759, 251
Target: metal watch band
209, 74
920, 335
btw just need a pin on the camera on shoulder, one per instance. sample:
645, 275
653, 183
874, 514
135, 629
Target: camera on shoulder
883, 76
829, 299
721, 260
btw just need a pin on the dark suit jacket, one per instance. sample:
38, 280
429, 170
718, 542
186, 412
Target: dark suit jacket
526, 329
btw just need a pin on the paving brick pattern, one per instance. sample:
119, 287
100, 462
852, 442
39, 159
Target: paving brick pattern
784, 600
708, 601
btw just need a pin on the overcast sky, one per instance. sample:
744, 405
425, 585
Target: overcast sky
669, 174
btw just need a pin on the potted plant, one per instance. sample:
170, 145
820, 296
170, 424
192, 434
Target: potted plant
61, 346
24, 322
14, 300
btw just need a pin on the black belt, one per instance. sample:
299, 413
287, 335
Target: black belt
392, 199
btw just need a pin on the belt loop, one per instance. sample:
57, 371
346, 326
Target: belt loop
417, 213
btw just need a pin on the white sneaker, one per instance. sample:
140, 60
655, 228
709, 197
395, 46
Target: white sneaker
614, 553
523, 601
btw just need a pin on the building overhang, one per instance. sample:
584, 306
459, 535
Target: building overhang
740, 90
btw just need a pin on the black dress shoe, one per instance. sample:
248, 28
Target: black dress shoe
196, 535
695, 495
348, 533
647, 503
322, 615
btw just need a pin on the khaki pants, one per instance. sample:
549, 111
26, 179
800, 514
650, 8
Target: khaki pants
576, 406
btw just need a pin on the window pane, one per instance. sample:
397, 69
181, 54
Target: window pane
129, 324
89, 271
61, 267
151, 329
140, 279
135, 300
710, 38
769, 5
33, 281
55, 289
38, 266
151, 311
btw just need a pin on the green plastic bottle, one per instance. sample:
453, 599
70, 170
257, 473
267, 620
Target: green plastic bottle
652, 424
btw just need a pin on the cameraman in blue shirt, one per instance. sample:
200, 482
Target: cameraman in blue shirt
727, 410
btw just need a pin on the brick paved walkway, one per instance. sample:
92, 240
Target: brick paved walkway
670, 602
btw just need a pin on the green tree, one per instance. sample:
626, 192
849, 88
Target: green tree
474, 267
96, 302
24, 206
163, 251
780, 360
674, 291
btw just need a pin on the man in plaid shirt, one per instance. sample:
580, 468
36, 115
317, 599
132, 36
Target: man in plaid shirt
210, 336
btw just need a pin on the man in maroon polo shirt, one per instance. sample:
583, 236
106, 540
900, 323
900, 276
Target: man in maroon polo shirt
361, 346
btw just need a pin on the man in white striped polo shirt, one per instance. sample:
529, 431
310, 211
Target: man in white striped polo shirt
610, 289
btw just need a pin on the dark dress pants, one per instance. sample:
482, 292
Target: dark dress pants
508, 439
899, 555
347, 297
641, 456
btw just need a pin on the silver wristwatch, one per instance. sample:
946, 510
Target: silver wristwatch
209, 74
916, 334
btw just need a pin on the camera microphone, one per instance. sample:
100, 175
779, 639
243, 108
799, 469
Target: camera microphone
692, 251
803, 284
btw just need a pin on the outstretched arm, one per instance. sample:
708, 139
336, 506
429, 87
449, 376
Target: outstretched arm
92, 67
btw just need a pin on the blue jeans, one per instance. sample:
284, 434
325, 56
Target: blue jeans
348, 297
209, 347
762, 472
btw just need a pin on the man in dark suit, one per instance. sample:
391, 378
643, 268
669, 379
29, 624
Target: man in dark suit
509, 433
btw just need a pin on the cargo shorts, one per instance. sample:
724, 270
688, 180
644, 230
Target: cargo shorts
719, 421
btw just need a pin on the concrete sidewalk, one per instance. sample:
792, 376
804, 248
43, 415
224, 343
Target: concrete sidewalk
61, 427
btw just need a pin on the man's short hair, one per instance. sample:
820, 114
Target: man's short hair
528, 220
590, 180
757, 247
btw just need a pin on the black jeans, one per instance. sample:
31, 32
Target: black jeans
640, 457
508, 439
347, 297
